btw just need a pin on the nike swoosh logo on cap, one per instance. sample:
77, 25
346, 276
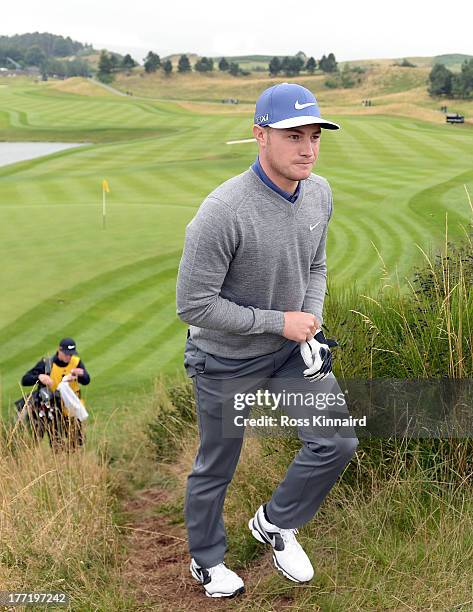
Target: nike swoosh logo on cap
298, 106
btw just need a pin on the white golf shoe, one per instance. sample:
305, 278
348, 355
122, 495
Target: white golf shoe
218, 581
288, 555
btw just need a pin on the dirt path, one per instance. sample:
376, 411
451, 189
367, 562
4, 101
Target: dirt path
157, 567
108, 87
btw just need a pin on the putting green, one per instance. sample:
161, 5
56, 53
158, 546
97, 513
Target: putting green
113, 290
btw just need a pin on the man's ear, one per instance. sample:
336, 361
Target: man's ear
259, 134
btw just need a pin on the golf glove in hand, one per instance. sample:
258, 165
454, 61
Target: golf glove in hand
317, 356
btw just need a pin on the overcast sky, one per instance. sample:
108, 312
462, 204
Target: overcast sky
352, 29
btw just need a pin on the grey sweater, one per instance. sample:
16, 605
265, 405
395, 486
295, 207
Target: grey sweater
249, 256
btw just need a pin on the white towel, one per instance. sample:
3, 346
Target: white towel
73, 404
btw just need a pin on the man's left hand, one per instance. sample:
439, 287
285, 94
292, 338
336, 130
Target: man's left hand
77, 372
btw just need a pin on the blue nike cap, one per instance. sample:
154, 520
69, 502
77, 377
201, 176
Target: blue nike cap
289, 105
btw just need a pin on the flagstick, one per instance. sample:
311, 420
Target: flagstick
104, 212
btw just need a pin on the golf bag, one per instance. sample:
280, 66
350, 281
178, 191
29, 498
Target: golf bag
42, 410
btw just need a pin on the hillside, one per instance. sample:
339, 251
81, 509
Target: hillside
108, 528
216, 85
452, 60
393, 90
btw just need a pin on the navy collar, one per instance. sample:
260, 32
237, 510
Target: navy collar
260, 173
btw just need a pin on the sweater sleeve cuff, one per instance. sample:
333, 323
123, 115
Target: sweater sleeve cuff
273, 322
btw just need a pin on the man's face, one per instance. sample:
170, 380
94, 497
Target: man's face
63, 356
291, 152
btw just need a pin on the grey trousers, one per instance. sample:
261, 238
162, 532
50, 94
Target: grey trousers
309, 478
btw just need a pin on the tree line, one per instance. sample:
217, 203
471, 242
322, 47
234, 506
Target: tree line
203, 64
51, 45
45, 52
109, 63
290, 66
444, 82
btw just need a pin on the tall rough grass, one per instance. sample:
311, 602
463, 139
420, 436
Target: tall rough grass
396, 533
57, 524
424, 331
417, 330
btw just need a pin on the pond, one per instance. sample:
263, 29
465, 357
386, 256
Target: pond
12, 152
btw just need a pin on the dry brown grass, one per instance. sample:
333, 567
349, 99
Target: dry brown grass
57, 523
79, 86
393, 90
204, 87
217, 85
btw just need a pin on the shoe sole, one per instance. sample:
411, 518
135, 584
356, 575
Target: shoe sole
259, 537
284, 573
239, 591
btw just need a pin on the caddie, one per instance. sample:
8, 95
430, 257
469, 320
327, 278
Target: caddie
251, 286
48, 373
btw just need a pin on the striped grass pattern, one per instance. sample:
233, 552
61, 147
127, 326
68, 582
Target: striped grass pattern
393, 180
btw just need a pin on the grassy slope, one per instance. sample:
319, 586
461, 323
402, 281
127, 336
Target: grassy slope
392, 89
216, 85
114, 290
453, 61
404, 546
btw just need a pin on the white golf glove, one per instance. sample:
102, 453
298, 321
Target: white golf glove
317, 356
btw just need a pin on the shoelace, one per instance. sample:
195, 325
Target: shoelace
221, 569
288, 535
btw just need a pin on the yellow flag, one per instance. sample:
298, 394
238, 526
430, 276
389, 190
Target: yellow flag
105, 186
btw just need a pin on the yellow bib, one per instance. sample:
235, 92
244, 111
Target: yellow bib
58, 373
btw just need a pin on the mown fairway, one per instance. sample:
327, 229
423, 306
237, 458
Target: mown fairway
113, 290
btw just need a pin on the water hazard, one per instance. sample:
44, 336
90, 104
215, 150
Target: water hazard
13, 152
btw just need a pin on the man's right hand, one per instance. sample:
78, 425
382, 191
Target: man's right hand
44, 379
299, 326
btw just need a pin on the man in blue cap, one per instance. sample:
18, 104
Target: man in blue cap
251, 285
